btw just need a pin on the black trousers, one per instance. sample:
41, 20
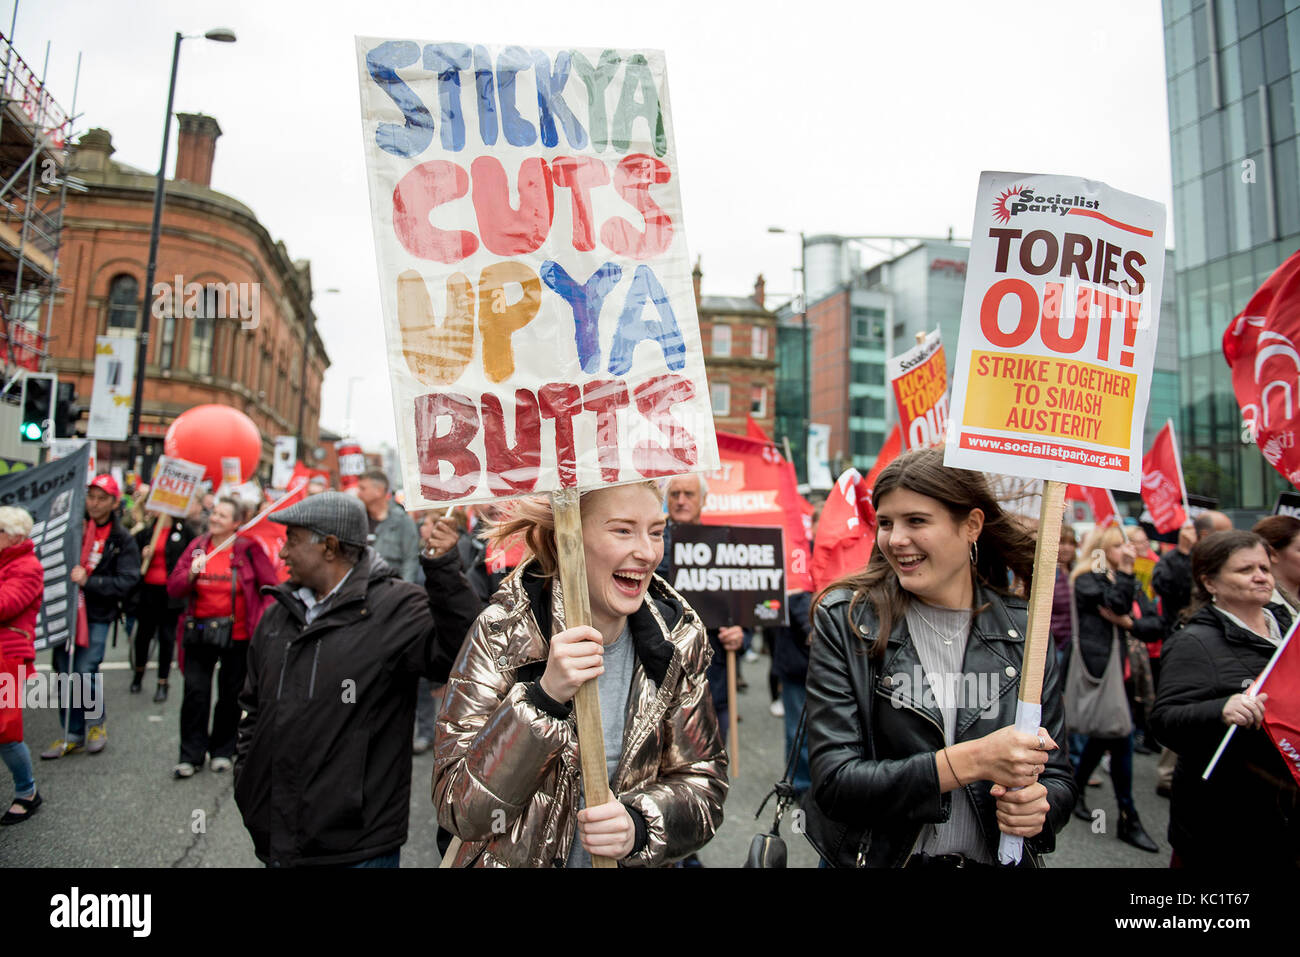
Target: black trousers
153, 617
196, 708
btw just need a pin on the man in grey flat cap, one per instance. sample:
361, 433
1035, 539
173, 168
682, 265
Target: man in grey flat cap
324, 769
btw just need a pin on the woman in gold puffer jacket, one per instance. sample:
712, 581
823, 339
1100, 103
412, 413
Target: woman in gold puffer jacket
507, 778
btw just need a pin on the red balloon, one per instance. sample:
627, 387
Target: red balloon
206, 434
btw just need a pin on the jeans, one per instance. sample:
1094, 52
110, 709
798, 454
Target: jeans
85, 661
793, 697
196, 706
383, 860
19, 761
1121, 767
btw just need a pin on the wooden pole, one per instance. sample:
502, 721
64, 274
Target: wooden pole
160, 528
1038, 642
733, 719
452, 850
577, 611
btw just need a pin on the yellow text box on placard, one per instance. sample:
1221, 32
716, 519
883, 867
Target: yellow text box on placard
1047, 395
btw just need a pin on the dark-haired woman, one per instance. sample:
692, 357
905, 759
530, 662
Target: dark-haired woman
1282, 535
1248, 812
506, 776
912, 686
1105, 590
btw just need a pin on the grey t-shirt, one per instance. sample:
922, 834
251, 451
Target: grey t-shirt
614, 685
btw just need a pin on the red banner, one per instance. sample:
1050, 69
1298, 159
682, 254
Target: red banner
1162, 482
1282, 710
757, 486
271, 535
1260, 346
1100, 500
847, 530
352, 462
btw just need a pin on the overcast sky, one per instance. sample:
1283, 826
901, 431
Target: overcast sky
852, 118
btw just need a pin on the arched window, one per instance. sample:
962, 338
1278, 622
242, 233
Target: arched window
201, 333
123, 305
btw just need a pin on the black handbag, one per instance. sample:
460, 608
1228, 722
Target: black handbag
768, 850
218, 633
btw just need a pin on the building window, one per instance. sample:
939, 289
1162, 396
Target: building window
167, 343
201, 332
758, 401
868, 373
123, 305
869, 407
868, 328
721, 393
721, 340
867, 443
758, 347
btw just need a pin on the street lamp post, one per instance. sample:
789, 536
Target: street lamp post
221, 35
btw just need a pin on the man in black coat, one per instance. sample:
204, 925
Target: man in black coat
324, 758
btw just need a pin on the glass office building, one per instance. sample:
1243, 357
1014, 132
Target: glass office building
1233, 74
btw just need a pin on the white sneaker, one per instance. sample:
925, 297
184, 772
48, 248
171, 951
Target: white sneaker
750, 657
777, 708
183, 770
221, 764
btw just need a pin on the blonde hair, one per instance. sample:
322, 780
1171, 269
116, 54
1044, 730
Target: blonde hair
1092, 553
532, 521
15, 521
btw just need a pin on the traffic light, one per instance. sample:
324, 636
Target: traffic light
38, 407
66, 413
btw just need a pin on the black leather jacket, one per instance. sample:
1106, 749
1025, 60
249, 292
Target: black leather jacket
872, 743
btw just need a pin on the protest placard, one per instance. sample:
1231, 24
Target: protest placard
537, 293
1058, 331
919, 378
174, 486
730, 574
54, 494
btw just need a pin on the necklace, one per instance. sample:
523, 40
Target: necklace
923, 612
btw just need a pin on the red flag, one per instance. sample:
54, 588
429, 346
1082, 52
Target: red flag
757, 486
1100, 500
888, 452
1281, 681
844, 533
271, 535
1260, 346
1162, 482
755, 431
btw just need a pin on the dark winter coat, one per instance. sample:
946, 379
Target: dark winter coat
1247, 813
113, 579
324, 770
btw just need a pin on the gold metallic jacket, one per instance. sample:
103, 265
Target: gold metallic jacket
506, 776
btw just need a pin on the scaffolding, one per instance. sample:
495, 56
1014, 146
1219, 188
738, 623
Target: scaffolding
34, 140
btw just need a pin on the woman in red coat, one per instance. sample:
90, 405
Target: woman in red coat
224, 602
22, 586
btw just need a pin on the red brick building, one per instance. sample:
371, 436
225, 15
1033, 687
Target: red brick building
241, 331
739, 336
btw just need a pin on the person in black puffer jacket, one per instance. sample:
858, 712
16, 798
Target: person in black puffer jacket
1248, 813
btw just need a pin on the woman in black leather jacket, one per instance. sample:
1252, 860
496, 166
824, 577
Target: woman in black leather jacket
1248, 813
912, 685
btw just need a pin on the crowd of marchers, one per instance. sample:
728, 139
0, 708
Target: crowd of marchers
385, 633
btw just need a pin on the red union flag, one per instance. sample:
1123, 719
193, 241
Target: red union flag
846, 531
1100, 500
1162, 482
1281, 681
1261, 349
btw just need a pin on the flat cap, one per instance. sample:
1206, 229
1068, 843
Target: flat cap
329, 513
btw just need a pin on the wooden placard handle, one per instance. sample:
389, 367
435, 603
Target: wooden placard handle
160, 528
577, 611
733, 719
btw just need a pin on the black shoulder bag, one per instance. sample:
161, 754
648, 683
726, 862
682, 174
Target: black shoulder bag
768, 850
218, 633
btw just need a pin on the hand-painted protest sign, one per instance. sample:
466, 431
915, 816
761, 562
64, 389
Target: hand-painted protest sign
546, 341
54, 495
920, 380
730, 574
174, 486
1058, 331
755, 485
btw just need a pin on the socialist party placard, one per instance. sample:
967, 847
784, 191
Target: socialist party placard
1058, 331
534, 277
730, 574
